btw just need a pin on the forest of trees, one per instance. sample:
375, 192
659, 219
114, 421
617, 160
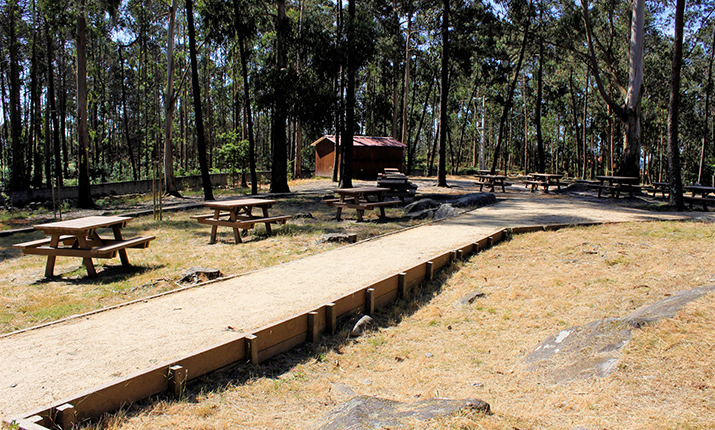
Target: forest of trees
113, 90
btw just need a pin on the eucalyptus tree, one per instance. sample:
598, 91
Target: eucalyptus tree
676, 184
198, 112
629, 111
11, 24
81, 10
521, 16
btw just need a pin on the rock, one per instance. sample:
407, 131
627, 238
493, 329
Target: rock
445, 211
475, 200
421, 205
365, 323
338, 237
425, 214
365, 412
195, 275
469, 298
594, 349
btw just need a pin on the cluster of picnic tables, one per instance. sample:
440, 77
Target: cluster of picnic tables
81, 238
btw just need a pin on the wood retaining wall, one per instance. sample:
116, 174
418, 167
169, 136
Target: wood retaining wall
251, 348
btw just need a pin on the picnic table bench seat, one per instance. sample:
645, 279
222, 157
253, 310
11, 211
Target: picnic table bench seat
702, 200
108, 250
64, 239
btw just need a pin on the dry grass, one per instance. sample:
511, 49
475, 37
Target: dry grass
535, 285
28, 299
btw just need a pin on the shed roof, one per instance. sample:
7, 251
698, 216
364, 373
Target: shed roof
366, 141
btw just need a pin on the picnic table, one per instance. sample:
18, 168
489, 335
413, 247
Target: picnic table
699, 194
617, 185
398, 184
491, 181
79, 238
544, 180
361, 199
659, 187
238, 214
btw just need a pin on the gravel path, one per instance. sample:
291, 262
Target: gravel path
46, 364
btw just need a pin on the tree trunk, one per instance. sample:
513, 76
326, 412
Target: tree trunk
247, 97
541, 166
509, 98
444, 97
17, 173
708, 90
346, 171
676, 184
84, 197
169, 180
632, 138
279, 170
577, 128
406, 84
200, 137
53, 110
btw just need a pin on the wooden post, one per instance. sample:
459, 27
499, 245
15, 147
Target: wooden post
452, 256
252, 347
66, 416
429, 270
490, 241
178, 376
330, 318
401, 286
370, 301
460, 254
313, 327
476, 248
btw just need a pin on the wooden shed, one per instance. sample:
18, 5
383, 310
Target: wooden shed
371, 155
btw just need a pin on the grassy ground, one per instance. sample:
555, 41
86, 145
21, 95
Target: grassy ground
28, 299
534, 285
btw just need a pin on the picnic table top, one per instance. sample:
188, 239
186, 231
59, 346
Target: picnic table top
619, 179
490, 176
547, 175
361, 190
230, 204
79, 225
699, 188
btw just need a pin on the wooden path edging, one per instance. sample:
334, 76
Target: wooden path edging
260, 345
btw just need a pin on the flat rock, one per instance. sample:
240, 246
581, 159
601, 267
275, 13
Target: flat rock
365, 412
421, 205
594, 349
363, 324
475, 200
339, 237
445, 211
468, 299
195, 275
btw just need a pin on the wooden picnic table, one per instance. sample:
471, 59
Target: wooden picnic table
544, 180
361, 199
699, 194
617, 184
79, 238
660, 187
238, 214
491, 181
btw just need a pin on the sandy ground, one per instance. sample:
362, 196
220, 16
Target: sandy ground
46, 364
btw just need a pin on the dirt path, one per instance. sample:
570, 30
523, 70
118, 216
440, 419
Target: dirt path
46, 364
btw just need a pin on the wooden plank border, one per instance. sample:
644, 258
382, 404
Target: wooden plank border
265, 343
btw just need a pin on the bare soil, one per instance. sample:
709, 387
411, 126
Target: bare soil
47, 364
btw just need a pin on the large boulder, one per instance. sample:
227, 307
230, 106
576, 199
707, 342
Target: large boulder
365, 412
